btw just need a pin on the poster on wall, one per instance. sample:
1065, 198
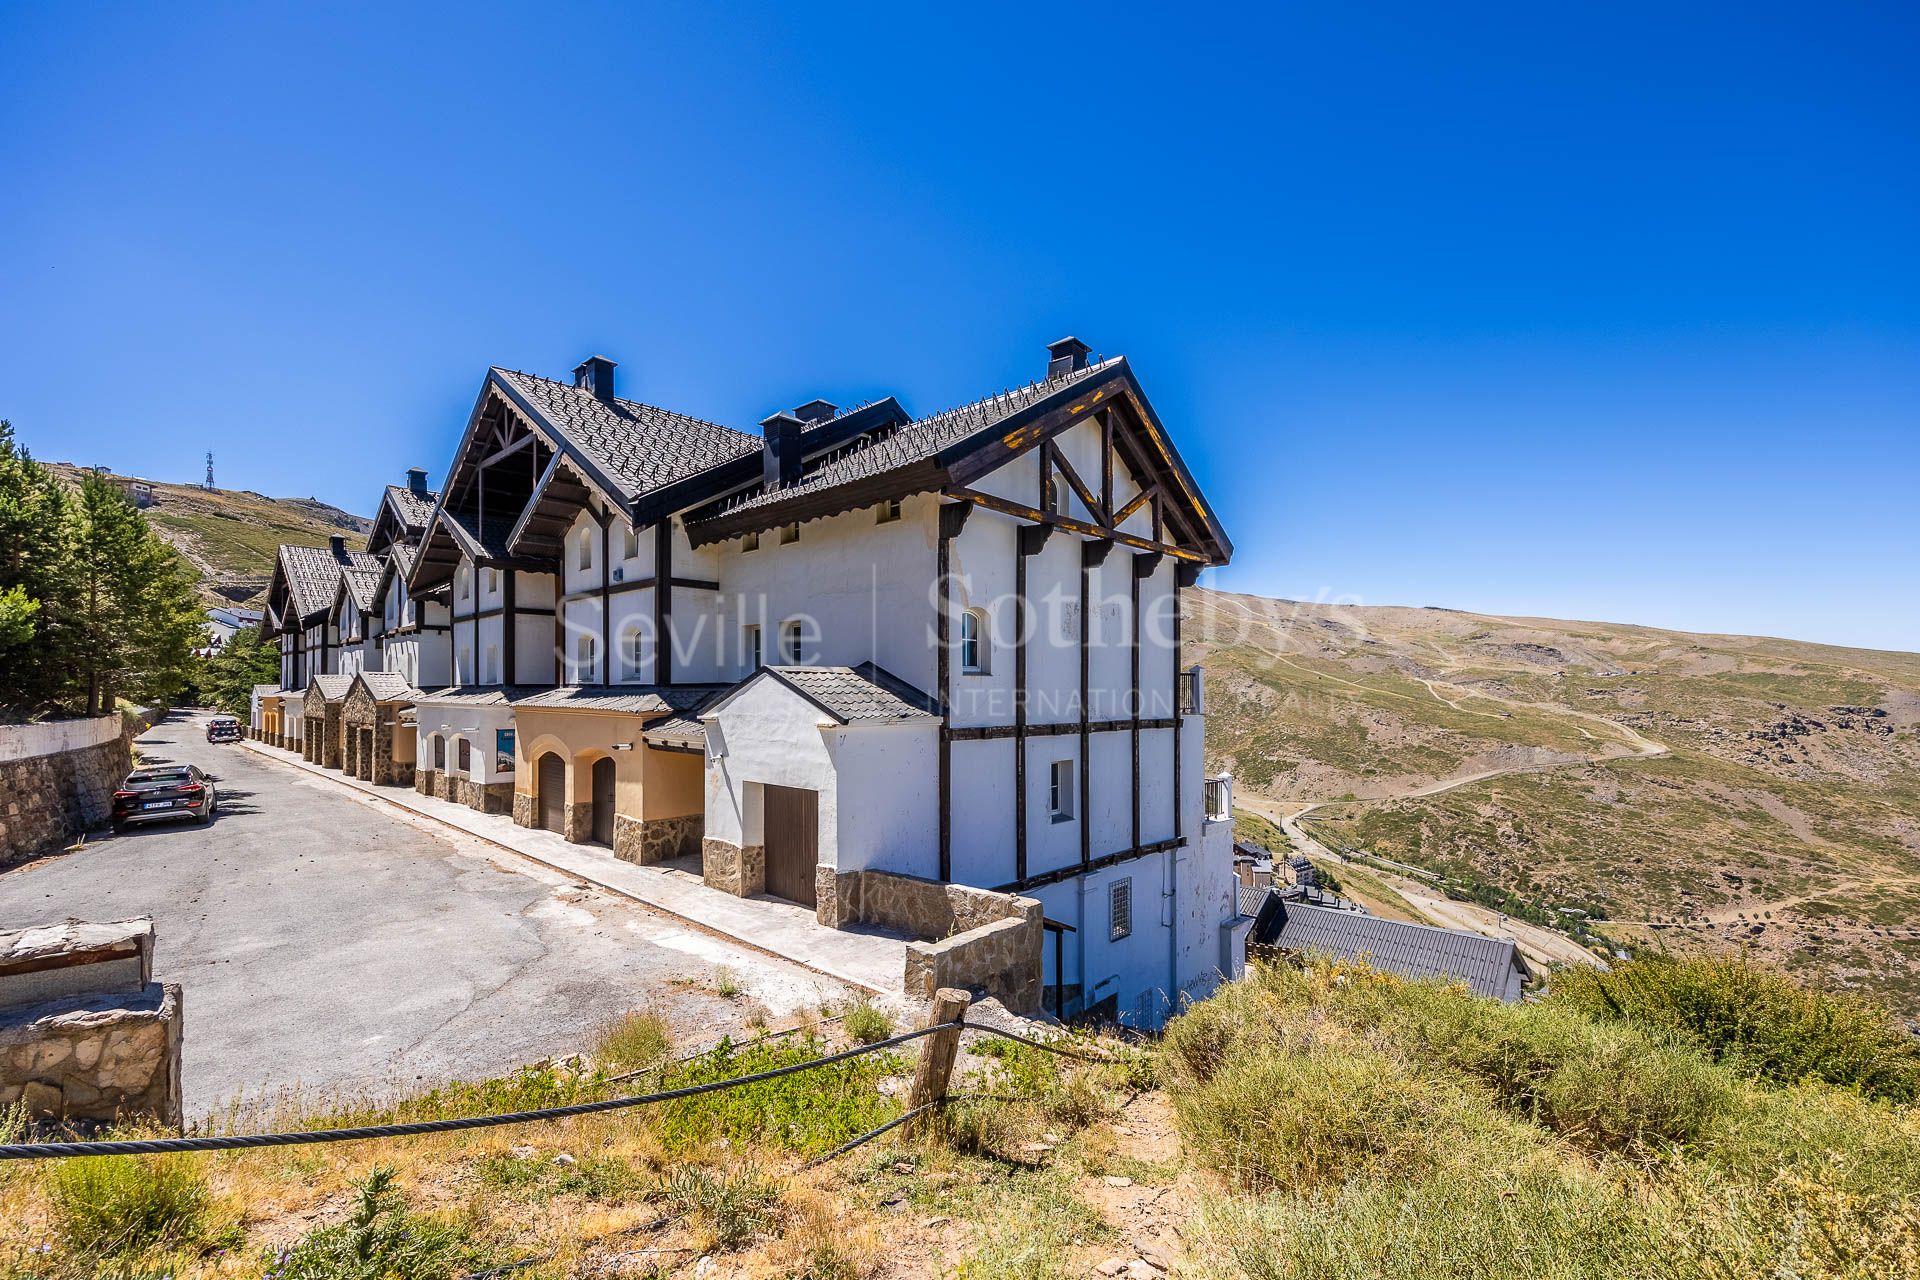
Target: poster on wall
503, 751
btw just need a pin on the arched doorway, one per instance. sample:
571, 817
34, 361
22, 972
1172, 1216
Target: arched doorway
603, 801
552, 793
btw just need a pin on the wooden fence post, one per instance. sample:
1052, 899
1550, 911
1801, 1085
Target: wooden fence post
937, 1053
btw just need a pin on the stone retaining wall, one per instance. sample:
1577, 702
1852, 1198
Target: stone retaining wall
964, 937
58, 779
731, 868
659, 840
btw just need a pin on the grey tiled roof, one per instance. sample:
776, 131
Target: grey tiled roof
480, 695
313, 574
865, 694
331, 687
1250, 899
414, 509
677, 731
640, 699
361, 585
638, 446
267, 690
1489, 966
490, 535
388, 686
914, 442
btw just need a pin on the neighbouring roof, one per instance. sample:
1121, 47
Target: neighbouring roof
483, 539
1489, 966
479, 695
331, 687
268, 691
916, 441
388, 686
414, 509
635, 699
362, 586
684, 733
312, 575
865, 694
1251, 900
638, 447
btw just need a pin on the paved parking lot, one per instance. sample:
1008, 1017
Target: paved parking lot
327, 942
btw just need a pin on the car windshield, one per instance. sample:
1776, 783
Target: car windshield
160, 775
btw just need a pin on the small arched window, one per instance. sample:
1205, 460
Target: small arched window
973, 642
583, 660
1056, 496
466, 756
439, 751
585, 559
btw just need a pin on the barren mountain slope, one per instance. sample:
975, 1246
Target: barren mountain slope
230, 535
1704, 791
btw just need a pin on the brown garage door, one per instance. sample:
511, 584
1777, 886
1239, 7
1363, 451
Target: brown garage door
552, 783
793, 842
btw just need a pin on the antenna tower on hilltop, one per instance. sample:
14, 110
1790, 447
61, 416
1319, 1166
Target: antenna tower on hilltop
209, 471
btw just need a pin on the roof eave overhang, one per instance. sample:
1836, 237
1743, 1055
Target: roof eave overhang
916, 477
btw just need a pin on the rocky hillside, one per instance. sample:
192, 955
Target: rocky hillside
1689, 791
230, 535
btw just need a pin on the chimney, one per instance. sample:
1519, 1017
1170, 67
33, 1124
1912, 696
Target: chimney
338, 543
780, 462
595, 374
815, 411
1069, 355
417, 481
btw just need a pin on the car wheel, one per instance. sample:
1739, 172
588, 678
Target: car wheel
119, 828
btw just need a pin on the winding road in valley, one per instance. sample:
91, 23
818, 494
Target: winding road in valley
1540, 945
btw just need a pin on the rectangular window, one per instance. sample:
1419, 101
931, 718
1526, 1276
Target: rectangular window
887, 512
750, 542
493, 580
1060, 791
1120, 910
789, 533
629, 542
492, 673
790, 644
750, 647
583, 660
633, 655
585, 560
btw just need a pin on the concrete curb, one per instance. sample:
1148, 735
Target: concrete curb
367, 791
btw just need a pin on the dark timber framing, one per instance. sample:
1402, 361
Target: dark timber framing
1029, 539
663, 601
953, 518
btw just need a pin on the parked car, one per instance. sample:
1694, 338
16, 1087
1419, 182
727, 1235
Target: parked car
223, 729
165, 792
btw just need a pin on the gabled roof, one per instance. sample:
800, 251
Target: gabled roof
957, 446
630, 447
640, 699
309, 577
360, 585
397, 563
331, 688
862, 695
402, 517
1489, 966
387, 686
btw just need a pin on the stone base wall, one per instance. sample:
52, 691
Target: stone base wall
968, 937
98, 1058
577, 823
330, 738
731, 868
488, 797
443, 784
46, 800
526, 811
1002, 958
424, 781
657, 840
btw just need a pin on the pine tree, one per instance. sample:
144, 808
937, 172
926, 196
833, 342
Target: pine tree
245, 661
135, 621
36, 534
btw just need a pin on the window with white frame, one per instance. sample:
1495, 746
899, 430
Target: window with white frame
887, 512
973, 642
1060, 791
1119, 909
750, 647
583, 660
792, 644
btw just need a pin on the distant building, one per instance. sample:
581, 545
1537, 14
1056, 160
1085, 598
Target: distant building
1489, 966
141, 491
222, 622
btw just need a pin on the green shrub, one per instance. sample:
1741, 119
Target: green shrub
806, 1112
542, 1177
867, 1023
632, 1043
104, 1205
725, 981
380, 1240
1756, 1019
734, 1204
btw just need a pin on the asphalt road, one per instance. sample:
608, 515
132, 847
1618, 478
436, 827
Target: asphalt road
327, 943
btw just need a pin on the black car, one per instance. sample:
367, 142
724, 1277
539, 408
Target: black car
223, 729
165, 792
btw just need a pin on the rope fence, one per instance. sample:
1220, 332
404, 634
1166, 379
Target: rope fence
929, 1094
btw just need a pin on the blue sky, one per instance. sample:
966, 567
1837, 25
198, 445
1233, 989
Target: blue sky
1604, 313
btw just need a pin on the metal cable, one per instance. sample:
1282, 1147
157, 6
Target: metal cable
164, 1146
1038, 1044
685, 1058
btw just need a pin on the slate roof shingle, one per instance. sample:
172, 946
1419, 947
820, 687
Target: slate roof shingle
489, 535
1489, 966
331, 687
388, 686
865, 694
362, 586
414, 509
637, 699
479, 695
313, 574
639, 446
677, 731
915, 442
